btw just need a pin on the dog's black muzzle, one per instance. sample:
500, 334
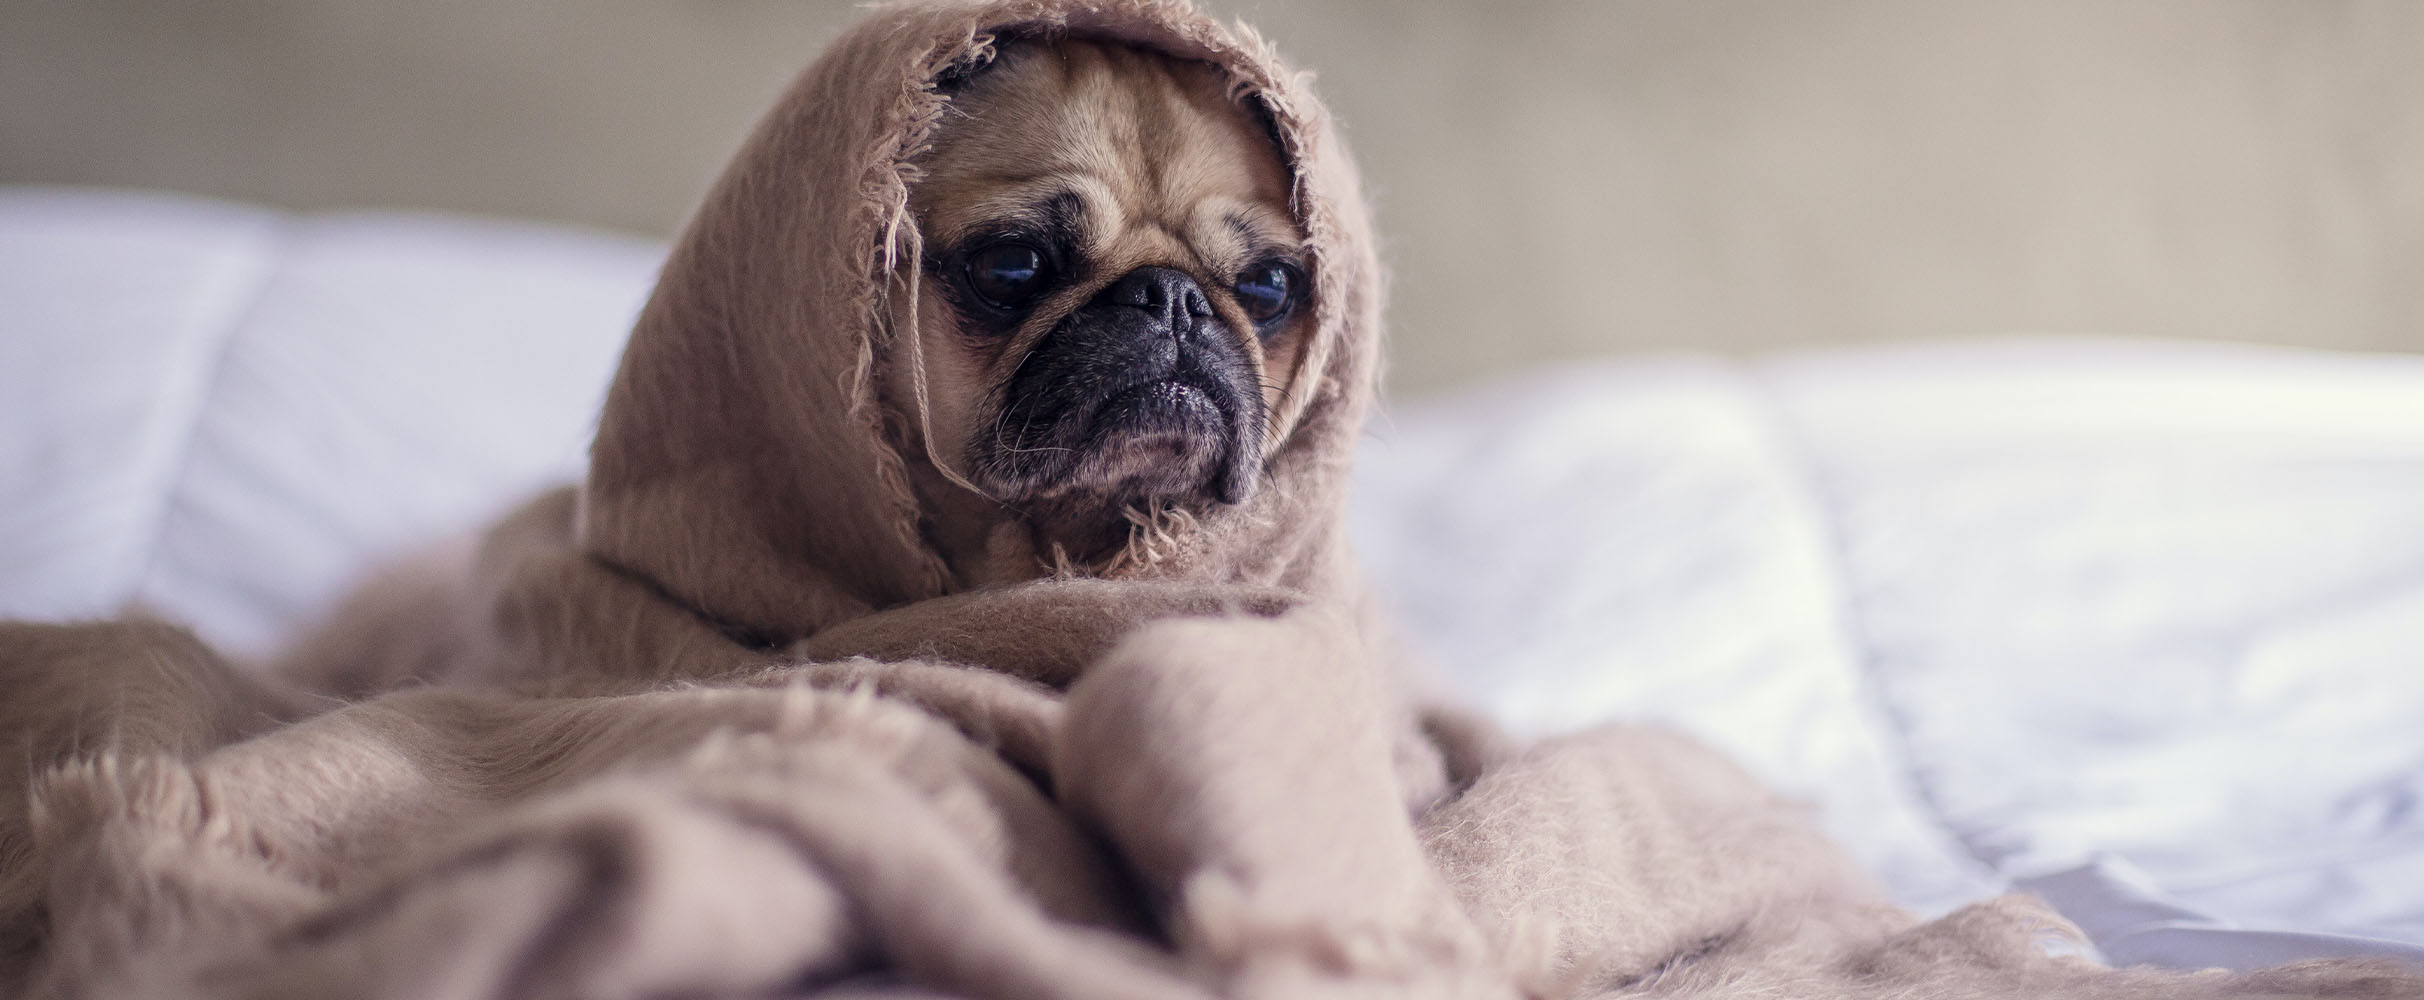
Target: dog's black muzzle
1141, 393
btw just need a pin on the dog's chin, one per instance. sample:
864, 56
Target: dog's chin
1163, 440
1166, 442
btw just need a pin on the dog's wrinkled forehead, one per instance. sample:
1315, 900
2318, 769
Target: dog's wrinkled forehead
1148, 159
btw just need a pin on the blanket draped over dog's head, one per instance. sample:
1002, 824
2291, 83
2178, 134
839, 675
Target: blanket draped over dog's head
749, 462
737, 729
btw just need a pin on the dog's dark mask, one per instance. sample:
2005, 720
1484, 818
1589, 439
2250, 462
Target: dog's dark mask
1141, 395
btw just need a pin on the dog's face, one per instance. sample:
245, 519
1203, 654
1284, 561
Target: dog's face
1124, 292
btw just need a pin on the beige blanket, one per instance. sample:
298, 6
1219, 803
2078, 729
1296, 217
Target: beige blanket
721, 724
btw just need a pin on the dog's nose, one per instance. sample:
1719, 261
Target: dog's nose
1169, 294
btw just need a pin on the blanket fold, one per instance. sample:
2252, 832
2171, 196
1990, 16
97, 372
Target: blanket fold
722, 722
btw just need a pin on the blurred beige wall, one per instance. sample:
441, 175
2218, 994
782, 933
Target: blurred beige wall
1555, 179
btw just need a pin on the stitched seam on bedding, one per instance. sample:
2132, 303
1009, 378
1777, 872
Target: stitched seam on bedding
271, 254
1823, 512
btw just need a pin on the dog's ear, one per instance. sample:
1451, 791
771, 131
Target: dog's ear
957, 76
1260, 111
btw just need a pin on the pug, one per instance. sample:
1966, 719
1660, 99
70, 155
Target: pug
1111, 298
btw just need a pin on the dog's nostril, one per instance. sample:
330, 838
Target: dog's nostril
1131, 292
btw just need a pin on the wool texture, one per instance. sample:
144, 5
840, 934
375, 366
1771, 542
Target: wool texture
721, 722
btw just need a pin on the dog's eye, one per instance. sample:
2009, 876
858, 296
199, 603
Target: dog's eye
1009, 275
1268, 290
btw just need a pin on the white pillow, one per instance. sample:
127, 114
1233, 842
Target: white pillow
224, 413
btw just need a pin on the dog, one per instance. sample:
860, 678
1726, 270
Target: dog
1107, 295
1111, 298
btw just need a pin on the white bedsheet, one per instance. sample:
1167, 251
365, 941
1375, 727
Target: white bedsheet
2135, 625
2138, 626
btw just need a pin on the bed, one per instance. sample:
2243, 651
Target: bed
2136, 625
